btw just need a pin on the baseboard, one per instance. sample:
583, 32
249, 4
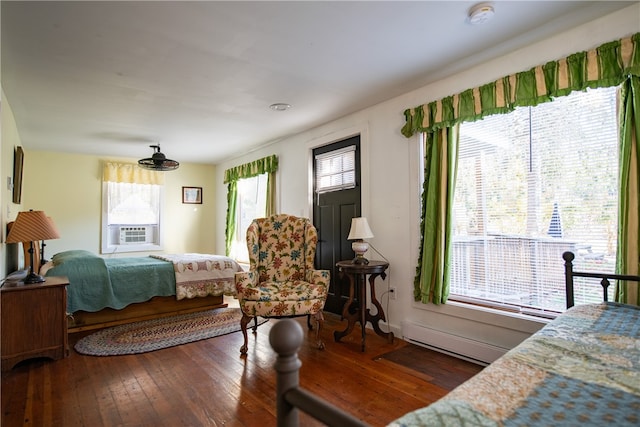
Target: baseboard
464, 348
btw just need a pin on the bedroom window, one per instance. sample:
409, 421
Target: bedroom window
132, 201
530, 185
251, 204
250, 194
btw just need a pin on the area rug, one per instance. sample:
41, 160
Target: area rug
156, 334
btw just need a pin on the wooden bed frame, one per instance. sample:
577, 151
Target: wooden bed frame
154, 308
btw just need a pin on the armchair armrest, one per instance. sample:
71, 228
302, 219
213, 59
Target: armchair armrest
244, 281
318, 277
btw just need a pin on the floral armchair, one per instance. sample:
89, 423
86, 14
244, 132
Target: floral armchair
282, 281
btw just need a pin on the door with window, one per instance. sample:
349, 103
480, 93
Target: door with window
337, 199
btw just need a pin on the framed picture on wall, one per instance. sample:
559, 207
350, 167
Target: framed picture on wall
18, 161
192, 195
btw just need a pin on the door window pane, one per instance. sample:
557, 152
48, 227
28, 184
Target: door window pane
336, 170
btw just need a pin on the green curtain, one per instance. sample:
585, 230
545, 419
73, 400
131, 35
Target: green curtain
268, 165
628, 261
432, 276
610, 64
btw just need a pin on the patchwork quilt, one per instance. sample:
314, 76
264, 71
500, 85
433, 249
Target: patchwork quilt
581, 369
199, 275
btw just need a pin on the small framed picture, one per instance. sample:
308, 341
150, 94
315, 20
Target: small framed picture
192, 195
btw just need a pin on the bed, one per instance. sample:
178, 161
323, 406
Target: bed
582, 368
109, 291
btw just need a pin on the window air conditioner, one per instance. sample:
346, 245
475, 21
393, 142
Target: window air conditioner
135, 235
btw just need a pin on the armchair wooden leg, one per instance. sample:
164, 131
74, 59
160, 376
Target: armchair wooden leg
243, 325
319, 320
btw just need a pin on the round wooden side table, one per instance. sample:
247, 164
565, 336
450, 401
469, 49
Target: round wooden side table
356, 311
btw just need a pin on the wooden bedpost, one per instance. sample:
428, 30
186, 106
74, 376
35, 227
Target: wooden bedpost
285, 338
568, 277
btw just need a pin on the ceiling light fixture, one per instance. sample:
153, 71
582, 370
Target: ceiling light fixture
480, 13
158, 162
279, 106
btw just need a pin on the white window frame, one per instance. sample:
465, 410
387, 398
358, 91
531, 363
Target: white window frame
110, 247
239, 246
495, 304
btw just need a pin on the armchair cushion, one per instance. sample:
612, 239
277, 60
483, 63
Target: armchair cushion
296, 290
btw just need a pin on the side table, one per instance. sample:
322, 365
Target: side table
34, 321
359, 313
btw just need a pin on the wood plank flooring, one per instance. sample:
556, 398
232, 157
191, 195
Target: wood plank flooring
208, 383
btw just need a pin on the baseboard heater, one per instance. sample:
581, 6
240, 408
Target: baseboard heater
461, 347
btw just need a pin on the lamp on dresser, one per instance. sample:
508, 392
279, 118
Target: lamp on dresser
360, 230
29, 226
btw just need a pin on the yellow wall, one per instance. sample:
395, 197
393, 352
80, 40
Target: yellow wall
68, 188
8, 211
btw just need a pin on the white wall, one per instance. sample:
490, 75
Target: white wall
390, 180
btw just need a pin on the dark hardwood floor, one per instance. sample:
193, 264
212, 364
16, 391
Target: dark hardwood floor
208, 383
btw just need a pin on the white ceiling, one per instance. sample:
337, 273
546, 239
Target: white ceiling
112, 78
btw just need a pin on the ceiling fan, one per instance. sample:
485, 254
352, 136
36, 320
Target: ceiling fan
158, 161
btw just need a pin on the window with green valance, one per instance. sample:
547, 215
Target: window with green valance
266, 165
616, 63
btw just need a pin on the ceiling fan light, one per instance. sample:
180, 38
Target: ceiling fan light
158, 161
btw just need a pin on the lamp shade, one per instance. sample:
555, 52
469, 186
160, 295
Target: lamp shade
359, 229
32, 225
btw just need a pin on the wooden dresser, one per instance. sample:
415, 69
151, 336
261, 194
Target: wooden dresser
33, 321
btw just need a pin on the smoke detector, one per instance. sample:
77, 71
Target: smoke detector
480, 13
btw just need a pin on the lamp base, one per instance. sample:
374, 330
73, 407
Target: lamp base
360, 260
33, 278
360, 247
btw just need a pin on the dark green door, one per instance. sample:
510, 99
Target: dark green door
332, 213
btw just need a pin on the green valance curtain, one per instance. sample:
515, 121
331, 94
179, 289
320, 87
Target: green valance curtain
268, 165
607, 65
611, 64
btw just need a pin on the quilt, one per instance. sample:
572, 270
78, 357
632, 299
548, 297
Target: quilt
582, 369
96, 283
199, 275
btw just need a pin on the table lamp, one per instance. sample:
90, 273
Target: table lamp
360, 230
29, 226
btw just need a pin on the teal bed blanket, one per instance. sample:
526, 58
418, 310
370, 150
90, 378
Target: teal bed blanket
96, 283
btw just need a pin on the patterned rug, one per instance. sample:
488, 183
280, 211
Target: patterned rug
156, 334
